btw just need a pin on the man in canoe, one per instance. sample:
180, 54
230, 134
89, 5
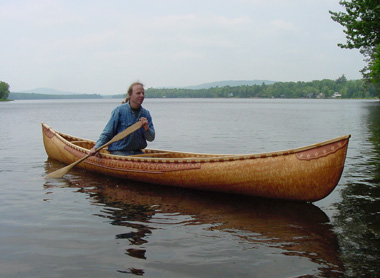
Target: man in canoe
124, 116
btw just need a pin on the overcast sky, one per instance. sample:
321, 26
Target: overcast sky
92, 46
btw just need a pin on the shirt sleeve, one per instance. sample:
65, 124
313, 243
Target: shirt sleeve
109, 131
150, 134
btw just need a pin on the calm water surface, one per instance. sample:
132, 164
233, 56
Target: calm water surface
87, 225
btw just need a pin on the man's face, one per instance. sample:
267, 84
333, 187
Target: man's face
137, 97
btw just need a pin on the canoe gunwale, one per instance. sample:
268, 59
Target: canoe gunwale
191, 157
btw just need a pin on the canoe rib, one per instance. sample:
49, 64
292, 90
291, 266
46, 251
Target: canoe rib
308, 173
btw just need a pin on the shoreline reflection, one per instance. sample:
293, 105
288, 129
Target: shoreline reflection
358, 218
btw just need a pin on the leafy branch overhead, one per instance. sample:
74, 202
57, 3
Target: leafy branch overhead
362, 28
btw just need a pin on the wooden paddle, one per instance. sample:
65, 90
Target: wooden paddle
63, 171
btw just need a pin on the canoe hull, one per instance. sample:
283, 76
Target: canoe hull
304, 174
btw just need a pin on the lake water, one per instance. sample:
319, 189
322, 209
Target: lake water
87, 225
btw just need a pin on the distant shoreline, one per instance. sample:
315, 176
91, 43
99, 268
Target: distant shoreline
317, 89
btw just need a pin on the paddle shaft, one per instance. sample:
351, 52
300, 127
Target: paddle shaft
61, 172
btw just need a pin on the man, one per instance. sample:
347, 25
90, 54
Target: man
124, 116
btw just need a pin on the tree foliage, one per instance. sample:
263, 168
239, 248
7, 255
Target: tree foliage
374, 67
4, 90
362, 28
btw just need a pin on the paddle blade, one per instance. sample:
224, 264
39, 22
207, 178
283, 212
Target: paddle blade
63, 171
60, 173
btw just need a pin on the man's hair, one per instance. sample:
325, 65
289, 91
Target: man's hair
130, 90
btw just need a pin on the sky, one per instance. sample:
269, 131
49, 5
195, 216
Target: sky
91, 46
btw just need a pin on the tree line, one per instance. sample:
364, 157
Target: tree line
326, 88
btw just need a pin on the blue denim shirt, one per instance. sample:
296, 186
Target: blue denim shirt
121, 118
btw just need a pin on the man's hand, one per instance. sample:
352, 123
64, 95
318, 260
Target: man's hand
93, 151
145, 123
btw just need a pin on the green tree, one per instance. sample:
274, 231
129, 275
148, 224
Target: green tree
374, 68
362, 28
4, 90
341, 80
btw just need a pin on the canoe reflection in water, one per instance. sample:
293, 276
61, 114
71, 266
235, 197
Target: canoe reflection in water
280, 229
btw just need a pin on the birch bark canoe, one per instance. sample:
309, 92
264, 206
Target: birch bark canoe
305, 174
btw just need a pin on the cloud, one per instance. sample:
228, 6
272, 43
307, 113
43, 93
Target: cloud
94, 46
283, 25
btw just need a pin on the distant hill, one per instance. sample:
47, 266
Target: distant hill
26, 96
49, 91
231, 83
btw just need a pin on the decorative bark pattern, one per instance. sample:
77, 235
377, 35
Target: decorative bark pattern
321, 151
